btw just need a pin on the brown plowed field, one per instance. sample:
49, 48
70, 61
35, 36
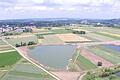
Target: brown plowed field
95, 59
66, 75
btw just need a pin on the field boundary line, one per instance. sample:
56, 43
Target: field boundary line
7, 51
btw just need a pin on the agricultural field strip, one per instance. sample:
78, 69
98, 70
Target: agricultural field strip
4, 61
52, 39
24, 39
104, 54
61, 31
27, 74
21, 36
87, 36
101, 37
66, 75
105, 29
82, 62
27, 68
108, 31
113, 52
2, 43
5, 47
110, 51
2, 73
114, 36
95, 59
70, 37
85, 64
5, 51
117, 35
16, 72
12, 77
15, 77
98, 43
9, 71
9, 58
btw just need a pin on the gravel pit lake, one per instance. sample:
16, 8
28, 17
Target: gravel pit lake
54, 56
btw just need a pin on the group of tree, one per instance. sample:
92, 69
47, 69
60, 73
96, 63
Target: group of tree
27, 30
103, 73
7, 34
99, 64
79, 32
25, 44
10, 33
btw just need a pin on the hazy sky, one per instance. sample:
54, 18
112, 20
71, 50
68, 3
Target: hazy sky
11, 9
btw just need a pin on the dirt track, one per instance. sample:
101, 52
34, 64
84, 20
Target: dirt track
66, 75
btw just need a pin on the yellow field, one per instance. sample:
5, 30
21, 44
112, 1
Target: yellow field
40, 40
36, 30
71, 38
117, 35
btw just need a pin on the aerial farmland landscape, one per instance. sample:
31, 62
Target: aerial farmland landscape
61, 53
59, 40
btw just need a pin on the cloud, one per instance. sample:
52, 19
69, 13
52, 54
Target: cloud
5, 4
84, 2
59, 3
65, 7
37, 1
31, 8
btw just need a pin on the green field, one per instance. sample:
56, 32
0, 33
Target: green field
83, 63
42, 35
9, 58
61, 31
105, 54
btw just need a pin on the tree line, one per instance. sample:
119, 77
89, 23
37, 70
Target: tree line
25, 44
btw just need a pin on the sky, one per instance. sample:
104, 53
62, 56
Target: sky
94, 9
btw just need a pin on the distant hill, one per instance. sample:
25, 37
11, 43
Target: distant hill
59, 22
